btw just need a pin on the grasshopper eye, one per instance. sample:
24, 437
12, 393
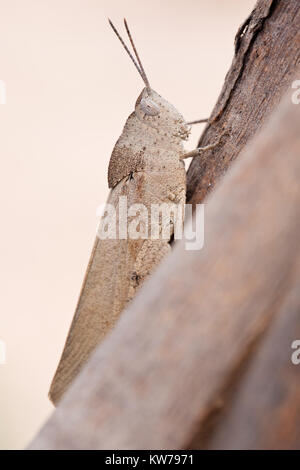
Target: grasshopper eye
149, 107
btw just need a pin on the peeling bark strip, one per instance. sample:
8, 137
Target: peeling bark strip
154, 380
244, 40
267, 55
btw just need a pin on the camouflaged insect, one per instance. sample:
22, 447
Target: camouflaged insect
146, 166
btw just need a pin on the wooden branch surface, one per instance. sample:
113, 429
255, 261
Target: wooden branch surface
264, 409
267, 55
154, 381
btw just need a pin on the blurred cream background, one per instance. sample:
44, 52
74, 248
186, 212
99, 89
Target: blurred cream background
70, 88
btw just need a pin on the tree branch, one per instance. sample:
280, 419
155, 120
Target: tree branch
155, 380
263, 412
267, 55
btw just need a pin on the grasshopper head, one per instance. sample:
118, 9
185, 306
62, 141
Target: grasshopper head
151, 108
156, 112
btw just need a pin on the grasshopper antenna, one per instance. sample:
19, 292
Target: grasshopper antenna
137, 56
199, 121
141, 71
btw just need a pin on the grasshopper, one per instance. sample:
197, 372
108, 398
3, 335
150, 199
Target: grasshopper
147, 167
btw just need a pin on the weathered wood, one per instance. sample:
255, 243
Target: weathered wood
267, 55
263, 411
156, 378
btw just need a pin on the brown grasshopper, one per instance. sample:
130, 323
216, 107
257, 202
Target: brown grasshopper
146, 166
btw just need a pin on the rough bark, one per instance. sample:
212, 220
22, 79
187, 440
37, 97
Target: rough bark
264, 409
267, 55
156, 379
